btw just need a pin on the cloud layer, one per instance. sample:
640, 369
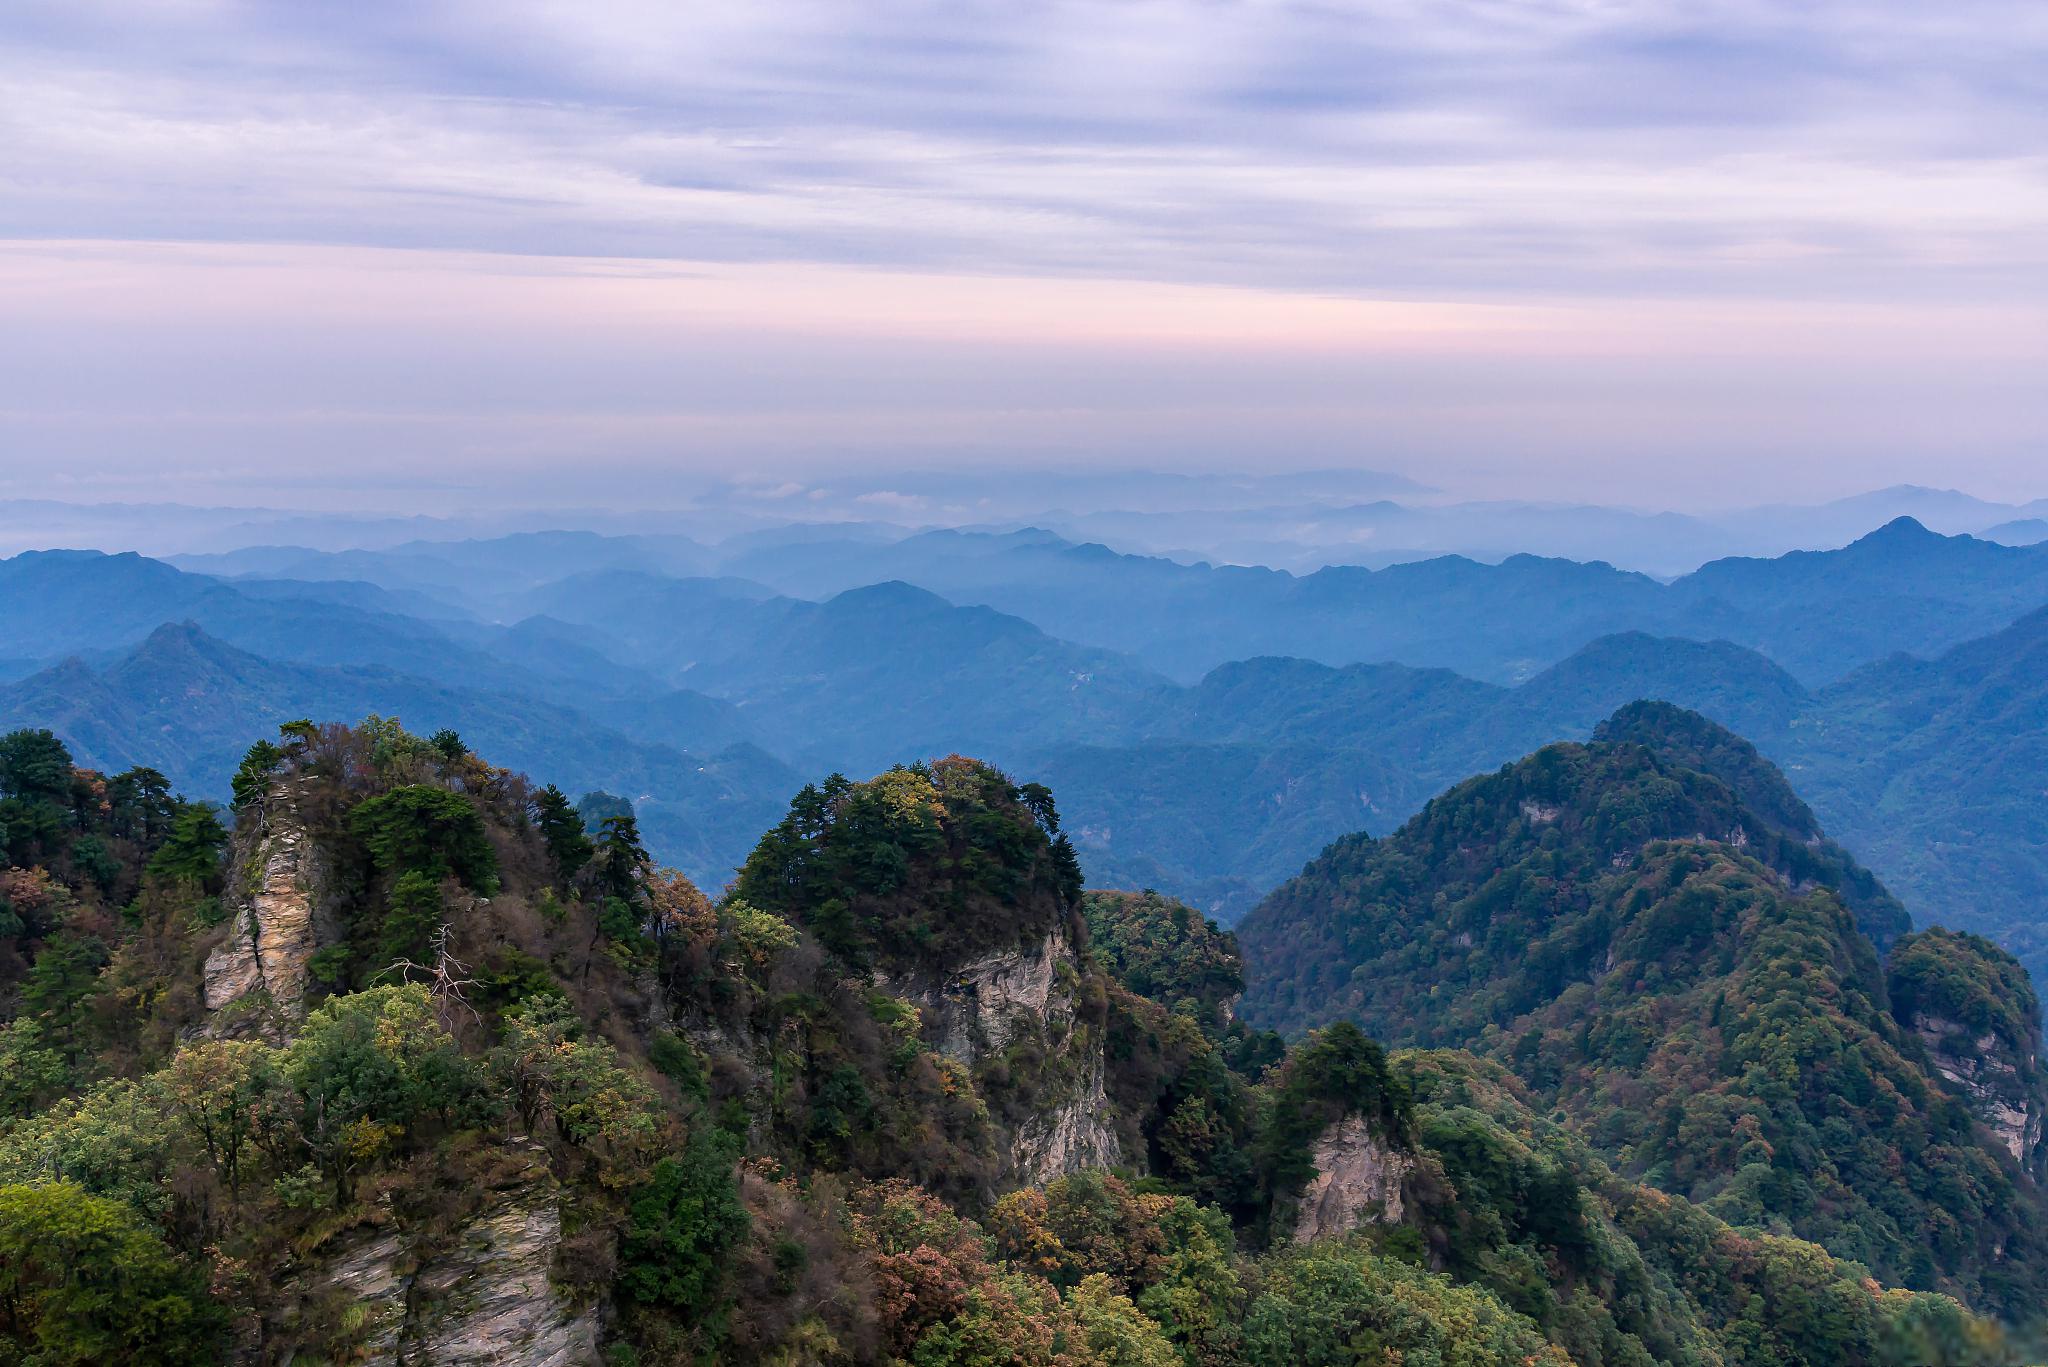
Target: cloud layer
1455, 181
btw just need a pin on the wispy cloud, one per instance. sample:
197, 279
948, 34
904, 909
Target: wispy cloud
1476, 147
1558, 244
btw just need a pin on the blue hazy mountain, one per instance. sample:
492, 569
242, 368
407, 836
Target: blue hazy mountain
1213, 787
1819, 614
187, 704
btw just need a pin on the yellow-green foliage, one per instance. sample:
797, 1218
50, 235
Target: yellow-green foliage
83, 1281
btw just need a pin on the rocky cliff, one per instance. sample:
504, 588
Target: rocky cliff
256, 979
1994, 1078
1358, 1181
1025, 997
477, 1295
1976, 1015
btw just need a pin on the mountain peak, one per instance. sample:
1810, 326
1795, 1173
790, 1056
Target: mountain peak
183, 644
1901, 531
57, 554
1689, 740
891, 594
185, 633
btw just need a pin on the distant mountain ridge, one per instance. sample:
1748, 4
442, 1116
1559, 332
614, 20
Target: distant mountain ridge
1216, 790
1293, 520
184, 703
1819, 613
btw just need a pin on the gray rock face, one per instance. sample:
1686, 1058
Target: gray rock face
490, 1301
2002, 1089
1073, 1136
261, 969
367, 1274
1358, 1181
485, 1299
988, 1004
984, 1006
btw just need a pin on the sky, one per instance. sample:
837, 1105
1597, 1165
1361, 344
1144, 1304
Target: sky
418, 254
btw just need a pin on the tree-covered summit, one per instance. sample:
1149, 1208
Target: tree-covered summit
1495, 876
1684, 739
926, 863
1682, 977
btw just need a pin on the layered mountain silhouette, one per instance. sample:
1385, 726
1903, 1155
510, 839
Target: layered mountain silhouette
1039, 654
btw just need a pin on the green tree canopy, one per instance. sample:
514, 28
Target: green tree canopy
424, 829
34, 764
84, 1282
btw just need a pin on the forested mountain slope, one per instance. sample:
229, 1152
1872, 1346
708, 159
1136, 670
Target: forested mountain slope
397, 1062
1682, 974
1311, 752
1932, 769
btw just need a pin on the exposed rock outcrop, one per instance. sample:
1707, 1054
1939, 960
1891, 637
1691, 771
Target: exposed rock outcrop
484, 1297
489, 1303
1359, 1179
1975, 1015
257, 978
1074, 1135
985, 1007
982, 1007
2002, 1089
365, 1277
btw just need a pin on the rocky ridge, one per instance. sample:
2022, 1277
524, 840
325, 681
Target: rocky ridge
482, 1294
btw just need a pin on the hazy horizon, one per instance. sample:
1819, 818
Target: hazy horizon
794, 496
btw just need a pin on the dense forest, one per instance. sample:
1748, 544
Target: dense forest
399, 1058
1636, 929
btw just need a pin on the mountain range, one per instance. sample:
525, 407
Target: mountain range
1295, 520
701, 699
396, 1060
1820, 614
